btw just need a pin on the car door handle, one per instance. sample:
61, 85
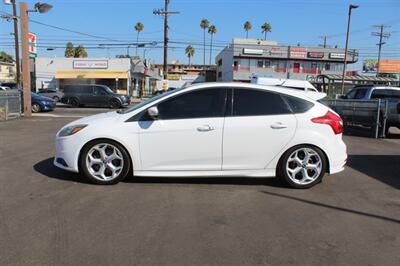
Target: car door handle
278, 126
205, 128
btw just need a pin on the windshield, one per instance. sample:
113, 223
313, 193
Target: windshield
150, 100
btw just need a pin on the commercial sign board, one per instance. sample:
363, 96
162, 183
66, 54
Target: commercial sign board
90, 64
336, 56
252, 51
370, 65
32, 44
297, 53
389, 66
315, 55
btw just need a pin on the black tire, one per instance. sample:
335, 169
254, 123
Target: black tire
74, 102
56, 99
115, 104
84, 169
36, 108
282, 172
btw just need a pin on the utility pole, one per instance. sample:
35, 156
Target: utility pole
165, 12
381, 35
17, 60
26, 73
324, 38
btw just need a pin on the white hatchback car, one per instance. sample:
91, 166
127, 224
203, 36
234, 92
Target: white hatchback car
209, 129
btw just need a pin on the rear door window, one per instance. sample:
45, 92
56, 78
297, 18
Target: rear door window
87, 89
253, 102
381, 94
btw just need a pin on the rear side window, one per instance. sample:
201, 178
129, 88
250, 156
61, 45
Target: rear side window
298, 105
251, 102
381, 94
86, 89
396, 94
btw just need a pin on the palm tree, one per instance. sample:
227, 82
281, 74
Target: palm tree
247, 27
211, 30
138, 28
204, 25
189, 51
266, 27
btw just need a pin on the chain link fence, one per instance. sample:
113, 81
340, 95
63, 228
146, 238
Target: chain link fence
369, 116
10, 105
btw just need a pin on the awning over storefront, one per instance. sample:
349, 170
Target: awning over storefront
101, 74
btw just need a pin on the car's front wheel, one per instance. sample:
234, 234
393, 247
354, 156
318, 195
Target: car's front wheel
114, 104
302, 166
36, 108
104, 162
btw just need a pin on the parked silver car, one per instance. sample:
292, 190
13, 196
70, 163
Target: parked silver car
56, 95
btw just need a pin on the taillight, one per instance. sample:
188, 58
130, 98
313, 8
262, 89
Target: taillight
332, 120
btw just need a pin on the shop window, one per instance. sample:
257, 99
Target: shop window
260, 63
314, 65
327, 66
267, 63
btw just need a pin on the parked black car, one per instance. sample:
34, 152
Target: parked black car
51, 93
93, 95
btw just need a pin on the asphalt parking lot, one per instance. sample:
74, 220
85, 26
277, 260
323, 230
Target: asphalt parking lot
52, 217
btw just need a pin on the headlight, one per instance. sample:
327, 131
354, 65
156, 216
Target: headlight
71, 130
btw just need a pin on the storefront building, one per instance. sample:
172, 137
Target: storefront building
246, 58
58, 72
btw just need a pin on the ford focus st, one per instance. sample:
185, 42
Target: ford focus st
213, 129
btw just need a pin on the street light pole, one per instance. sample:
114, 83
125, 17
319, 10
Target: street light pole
347, 45
17, 60
26, 75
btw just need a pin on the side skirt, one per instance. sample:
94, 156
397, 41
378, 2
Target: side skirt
242, 173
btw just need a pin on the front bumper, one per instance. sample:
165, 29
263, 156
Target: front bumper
67, 154
48, 106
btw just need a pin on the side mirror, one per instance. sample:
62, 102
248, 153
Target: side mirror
153, 112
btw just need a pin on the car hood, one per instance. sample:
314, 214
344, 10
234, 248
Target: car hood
98, 118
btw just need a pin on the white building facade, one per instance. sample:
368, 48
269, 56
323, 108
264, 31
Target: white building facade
247, 58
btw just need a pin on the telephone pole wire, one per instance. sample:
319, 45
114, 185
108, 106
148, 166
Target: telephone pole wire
381, 35
165, 12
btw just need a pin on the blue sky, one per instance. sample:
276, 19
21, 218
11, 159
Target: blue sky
292, 22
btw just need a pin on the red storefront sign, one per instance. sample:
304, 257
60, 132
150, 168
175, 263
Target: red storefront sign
315, 55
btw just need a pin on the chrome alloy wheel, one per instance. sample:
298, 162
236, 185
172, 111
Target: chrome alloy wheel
304, 166
104, 162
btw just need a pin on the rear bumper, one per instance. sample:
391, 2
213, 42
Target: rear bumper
337, 155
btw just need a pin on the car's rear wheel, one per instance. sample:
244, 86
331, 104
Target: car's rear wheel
36, 108
104, 162
114, 104
302, 166
74, 102
56, 99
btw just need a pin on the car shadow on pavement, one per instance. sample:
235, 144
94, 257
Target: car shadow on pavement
47, 168
385, 168
332, 207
